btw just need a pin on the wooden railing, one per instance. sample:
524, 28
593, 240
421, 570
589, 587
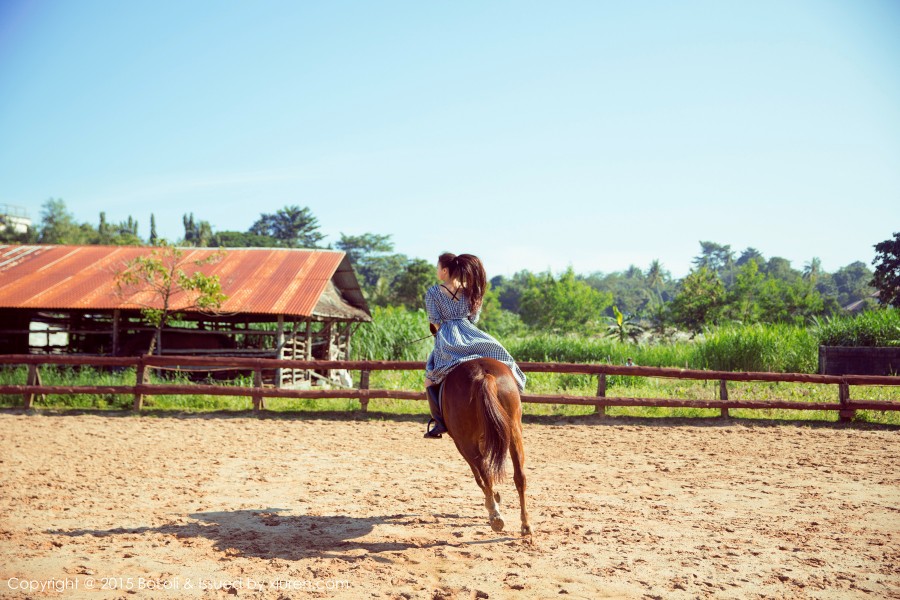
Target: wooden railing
845, 406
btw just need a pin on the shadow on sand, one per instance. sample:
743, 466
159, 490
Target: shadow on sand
266, 533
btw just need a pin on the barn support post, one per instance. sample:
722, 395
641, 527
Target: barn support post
845, 413
33, 378
279, 348
307, 353
723, 395
258, 400
600, 409
364, 385
140, 379
115, 332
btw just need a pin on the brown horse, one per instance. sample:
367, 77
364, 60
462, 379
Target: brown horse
483, 414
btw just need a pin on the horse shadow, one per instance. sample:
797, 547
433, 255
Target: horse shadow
266, 533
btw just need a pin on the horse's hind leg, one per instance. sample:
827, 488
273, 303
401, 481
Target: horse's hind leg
480, 482
492, 504
517, 451
491, 498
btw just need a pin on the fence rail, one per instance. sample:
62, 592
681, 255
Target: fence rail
33, 386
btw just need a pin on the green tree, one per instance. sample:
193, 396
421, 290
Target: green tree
699, 299
656, 275
196, 233
411, 284
372, 257
629, 289
292, 226
887, 270
117, 234
496, 320
241, 239
717, 258
780, 268
784, 301
813, 270
509, 290
565, 304
742, 300
58, 225
749, 254
853, 283
154, 239
160, 278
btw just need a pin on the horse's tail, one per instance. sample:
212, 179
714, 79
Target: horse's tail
496, 425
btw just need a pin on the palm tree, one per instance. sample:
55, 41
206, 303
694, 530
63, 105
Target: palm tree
812, 270
655, 274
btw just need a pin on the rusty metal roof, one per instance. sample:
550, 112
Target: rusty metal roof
256, 280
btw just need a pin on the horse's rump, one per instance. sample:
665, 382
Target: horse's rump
486, 383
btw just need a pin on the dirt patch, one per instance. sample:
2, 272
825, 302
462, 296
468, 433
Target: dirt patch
212, 506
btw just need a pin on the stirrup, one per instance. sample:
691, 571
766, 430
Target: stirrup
434, 432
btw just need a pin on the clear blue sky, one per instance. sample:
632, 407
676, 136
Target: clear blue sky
535, 134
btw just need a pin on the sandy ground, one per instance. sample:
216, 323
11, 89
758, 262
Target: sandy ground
221, 506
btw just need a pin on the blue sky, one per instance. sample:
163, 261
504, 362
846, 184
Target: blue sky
538, 135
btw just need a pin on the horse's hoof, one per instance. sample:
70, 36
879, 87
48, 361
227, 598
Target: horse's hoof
497, 523
526, 530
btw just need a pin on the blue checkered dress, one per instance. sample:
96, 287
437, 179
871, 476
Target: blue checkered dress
458, 339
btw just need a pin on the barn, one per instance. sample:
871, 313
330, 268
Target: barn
280, 303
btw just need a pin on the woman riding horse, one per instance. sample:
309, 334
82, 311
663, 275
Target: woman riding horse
453, 308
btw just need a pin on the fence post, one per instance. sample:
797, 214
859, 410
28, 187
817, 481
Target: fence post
364, 385
845, 413
601, 393
140, 379
723, 395
258, 401
33, 378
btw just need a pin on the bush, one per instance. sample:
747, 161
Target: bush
880, 327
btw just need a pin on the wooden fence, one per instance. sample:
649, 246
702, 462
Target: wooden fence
33, 386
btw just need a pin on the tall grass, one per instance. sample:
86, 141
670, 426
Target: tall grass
872, 328
559, 348
779, 348
394, 334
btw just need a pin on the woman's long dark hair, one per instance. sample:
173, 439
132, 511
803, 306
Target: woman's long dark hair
469, 270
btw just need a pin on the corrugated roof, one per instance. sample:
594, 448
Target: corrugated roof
256, 280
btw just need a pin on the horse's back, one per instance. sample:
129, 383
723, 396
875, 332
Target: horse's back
467, 372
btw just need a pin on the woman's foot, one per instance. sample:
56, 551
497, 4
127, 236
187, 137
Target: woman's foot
436, 430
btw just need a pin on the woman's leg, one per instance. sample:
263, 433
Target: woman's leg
431, 391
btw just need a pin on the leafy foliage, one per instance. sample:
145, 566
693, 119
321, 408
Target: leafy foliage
700, 296
291, 226
887, 270
622, 328
562, 305
161, 277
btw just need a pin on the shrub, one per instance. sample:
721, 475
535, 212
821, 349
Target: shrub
879, 327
